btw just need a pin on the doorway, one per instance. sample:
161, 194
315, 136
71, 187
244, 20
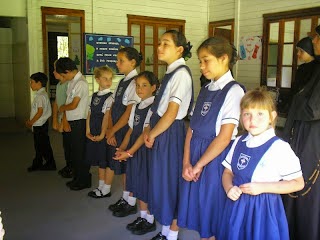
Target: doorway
62, 31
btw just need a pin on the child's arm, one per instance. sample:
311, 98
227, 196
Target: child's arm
111, 141
233, 192
71, 106
215, 148
104, 127
281, 187
55, 124
164, 123
187, 167
36, 117
123, 120
124, 145
65, 124
88, 133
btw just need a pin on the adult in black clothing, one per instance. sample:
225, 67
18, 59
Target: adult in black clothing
302, 131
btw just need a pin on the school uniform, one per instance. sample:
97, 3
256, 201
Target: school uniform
96, 152
124, 95
167, 150
201, 202
61, 97
137, 173
262, 158
41, 138
78, 87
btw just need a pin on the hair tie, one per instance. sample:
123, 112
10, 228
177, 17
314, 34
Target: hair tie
187, 51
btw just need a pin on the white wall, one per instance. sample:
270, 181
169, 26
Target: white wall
110, 17
13, 8
249, 22
6, 80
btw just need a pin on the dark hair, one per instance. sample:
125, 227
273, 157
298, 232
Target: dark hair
152, 79
180, 40
65, 64
40, 77
306, 45
132, 53
218, 46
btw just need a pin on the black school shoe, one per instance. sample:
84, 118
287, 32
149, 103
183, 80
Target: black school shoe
132, 226
159, 236
125, 210
66, 172
144, 227
118, 205
97, 193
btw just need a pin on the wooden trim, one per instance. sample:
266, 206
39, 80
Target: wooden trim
149, 20
221, 23
292, 14
59, 11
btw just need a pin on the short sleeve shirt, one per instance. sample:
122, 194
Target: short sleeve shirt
143, 104
41, 100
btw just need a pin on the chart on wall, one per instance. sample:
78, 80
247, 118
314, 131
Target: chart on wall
102, 49
250, 48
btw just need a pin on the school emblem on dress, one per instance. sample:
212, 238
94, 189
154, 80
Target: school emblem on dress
136, 120
119, 91
205, 108
96, 101
243, 161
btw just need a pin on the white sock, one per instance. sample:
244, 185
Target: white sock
132, 201
143, 214
125, 195
165, 230
172, 235
105, 189
150, 218
101, 183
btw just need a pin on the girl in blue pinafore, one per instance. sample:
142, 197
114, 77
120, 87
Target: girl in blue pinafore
259, 167
96, 147
166, 133
124, 96
212, 128
138, 164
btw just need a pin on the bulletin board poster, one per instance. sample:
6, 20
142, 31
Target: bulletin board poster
250, 48
102, 49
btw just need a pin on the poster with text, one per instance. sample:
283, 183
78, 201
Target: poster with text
102, 49
250, 48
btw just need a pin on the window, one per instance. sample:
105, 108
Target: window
224, 28
281, 32
146, 32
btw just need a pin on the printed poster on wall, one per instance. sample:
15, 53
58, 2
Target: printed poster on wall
102, 49
250, 48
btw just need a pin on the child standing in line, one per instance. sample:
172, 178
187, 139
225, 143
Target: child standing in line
38, 122
96, 148
166, 132
124, 97
59, 121
212, 128
137, 173
259, 167
75, 109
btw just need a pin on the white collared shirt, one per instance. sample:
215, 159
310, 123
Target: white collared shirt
107, 103
178, 90
41, 100
230, 109
78, 87
143, 104
130, 96
278, 163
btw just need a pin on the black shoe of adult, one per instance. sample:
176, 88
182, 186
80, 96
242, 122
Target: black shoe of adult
126, 210
62, 170
132, 226
48, 167
33, 168
159, 236
145, 227
67, 173
79, 186
118, 205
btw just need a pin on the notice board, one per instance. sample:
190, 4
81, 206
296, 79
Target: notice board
102, 49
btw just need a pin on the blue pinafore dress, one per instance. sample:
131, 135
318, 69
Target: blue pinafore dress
260, 217
118, 108
201, 203
96, 152
166, 162
137, 175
